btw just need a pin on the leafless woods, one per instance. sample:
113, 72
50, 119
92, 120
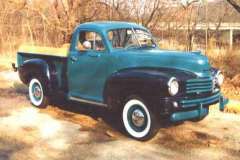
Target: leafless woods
51, 22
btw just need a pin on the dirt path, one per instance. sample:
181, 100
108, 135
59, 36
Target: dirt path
73, 131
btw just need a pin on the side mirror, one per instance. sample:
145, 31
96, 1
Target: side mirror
87, 45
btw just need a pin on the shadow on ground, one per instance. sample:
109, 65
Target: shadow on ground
9, 147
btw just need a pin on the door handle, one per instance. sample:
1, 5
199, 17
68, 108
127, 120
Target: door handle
73, 58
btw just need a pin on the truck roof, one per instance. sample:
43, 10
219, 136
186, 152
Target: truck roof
108, 25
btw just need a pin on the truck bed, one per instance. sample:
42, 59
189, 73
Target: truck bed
55, 57
48, 51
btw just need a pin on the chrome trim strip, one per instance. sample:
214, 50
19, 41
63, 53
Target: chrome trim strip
87, 101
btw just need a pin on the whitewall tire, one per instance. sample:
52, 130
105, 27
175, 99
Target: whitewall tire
138, 120
36, 92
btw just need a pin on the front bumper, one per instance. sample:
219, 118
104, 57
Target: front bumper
193, 108
186, 103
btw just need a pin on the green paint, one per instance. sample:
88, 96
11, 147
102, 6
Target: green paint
197, 113
222, 103
87, 76
85, 73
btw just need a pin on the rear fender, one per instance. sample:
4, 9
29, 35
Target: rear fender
38, 67
34, 67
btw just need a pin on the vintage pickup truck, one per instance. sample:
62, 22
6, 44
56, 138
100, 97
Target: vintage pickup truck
118, 65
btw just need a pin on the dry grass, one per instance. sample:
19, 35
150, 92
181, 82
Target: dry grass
6, 60
171, 44
233, 107
227, 60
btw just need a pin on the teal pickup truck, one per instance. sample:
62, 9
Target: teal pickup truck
118, 65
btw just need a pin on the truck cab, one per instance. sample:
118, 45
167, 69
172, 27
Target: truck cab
119, 65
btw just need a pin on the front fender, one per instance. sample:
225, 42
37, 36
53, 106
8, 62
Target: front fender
149, 83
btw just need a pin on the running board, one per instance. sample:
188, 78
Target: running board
87, 101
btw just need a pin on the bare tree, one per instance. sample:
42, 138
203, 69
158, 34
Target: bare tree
235, 4
220, 13
52, 22
192, 20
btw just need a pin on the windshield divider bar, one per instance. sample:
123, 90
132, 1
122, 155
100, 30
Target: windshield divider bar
134, 33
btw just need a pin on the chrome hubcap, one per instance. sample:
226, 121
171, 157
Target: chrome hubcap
138, 118
37, 92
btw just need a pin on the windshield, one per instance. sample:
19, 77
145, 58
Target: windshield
130, 38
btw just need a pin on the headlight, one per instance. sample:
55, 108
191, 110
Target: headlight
173, 86
219, 78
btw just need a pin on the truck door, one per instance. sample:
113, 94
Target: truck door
88, 67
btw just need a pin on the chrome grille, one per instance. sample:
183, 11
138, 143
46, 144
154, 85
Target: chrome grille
199, 85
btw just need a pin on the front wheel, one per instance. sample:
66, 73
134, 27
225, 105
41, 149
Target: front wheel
36, 92
138, 120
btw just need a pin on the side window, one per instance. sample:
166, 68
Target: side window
90, 41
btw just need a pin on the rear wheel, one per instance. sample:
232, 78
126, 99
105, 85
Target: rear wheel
138, 120
37, 93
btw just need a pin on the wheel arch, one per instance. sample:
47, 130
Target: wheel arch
137, 81
37, 67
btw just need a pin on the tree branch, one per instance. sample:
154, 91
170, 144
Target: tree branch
235, 5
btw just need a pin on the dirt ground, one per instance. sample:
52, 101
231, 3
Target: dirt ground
77, 131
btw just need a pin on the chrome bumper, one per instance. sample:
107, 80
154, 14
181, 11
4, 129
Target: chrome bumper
201, 101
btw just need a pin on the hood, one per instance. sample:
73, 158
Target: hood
187, 61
